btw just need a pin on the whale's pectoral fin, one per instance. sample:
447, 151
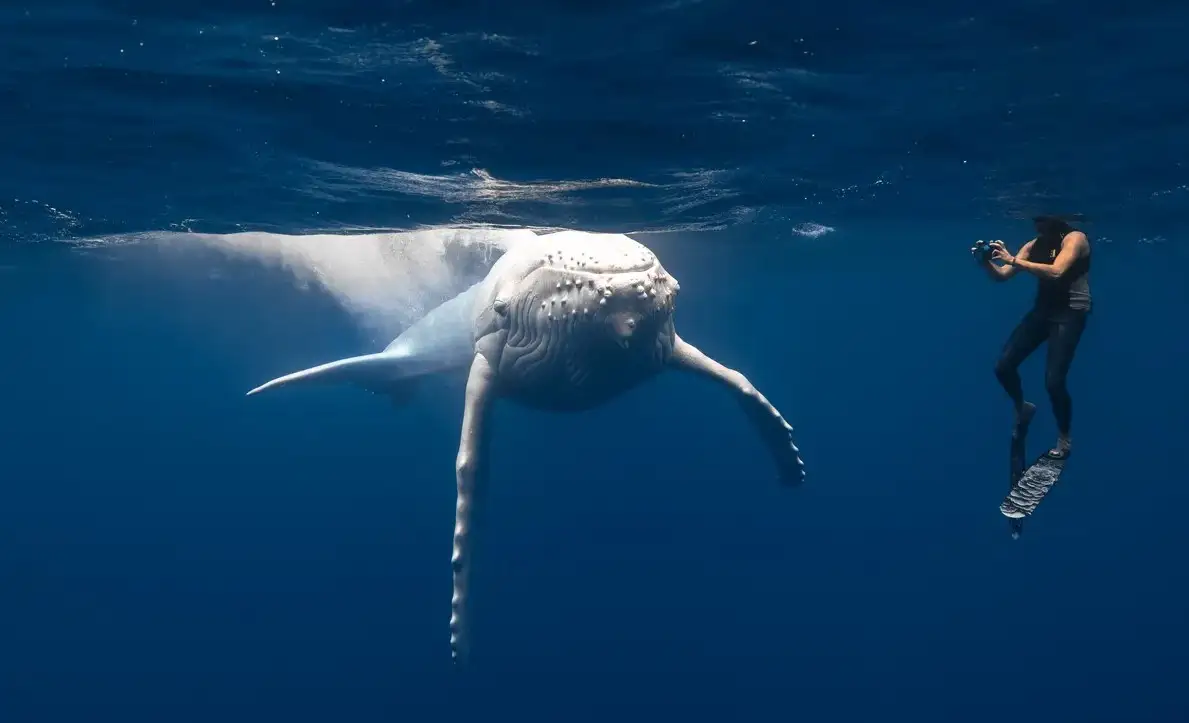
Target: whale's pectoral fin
470, 471
383, 373
776, 433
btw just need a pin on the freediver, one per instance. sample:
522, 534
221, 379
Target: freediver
1059, 256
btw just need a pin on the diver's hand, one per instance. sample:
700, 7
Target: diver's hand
1000, 253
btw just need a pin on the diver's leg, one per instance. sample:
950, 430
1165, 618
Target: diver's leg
1024, 339
1064, 336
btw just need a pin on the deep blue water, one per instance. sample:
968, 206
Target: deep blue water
813, 175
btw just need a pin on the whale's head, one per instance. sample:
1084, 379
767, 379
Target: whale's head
607, 288
581, 317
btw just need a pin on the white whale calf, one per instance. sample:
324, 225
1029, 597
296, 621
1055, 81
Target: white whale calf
564, 322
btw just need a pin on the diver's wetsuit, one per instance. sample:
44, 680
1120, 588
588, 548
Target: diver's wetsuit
1059, 316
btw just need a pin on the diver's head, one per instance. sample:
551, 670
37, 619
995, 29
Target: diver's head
1051, 226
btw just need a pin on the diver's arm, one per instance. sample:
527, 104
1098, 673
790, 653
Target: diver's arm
1006, 271
1075, 246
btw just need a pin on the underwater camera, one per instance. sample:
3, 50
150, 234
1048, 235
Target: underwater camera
981, 250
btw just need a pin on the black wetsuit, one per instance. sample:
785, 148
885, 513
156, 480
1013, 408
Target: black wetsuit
1058, 316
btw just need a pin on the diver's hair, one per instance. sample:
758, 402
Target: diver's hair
1052, 225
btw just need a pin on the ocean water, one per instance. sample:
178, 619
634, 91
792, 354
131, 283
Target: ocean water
198, 197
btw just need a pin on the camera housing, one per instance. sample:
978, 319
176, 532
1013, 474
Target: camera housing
981, 250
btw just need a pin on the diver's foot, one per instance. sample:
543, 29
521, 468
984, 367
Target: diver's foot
1024, 414
1063, 448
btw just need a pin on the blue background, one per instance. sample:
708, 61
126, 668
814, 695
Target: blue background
813, 175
